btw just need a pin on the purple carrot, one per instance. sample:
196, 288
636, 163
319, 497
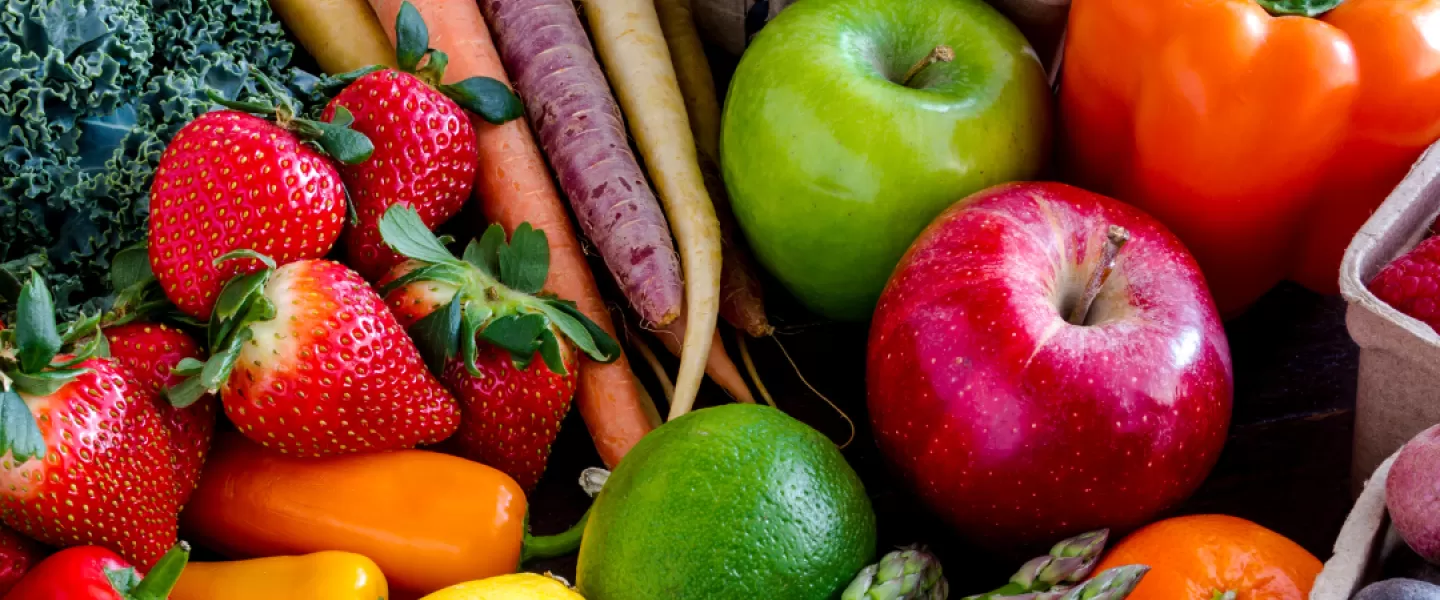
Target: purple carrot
546, 51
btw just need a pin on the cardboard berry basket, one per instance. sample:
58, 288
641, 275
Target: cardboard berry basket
1365, 541
1398, 396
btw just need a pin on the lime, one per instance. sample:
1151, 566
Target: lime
737, 501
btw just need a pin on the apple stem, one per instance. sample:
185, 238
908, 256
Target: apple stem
941, 53
1115, 239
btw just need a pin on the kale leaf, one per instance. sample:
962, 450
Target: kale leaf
90, 93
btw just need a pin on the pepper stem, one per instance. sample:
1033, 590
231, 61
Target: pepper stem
941, 53
1115, 239
1301, 8
1223, 595
551, 546
162, 577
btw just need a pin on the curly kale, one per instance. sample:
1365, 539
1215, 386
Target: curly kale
90, 93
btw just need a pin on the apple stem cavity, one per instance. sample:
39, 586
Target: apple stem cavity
941, 53
1115, 239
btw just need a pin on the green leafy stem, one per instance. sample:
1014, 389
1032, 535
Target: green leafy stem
335, 138
31, 364
492, 100
499, 297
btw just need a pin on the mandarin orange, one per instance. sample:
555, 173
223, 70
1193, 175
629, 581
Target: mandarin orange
1214, 557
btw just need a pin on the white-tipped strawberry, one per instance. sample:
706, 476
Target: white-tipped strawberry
481, 325
309, 361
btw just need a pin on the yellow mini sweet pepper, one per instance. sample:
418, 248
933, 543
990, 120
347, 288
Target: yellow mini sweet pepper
318, 576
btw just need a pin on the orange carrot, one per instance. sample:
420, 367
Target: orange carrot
514, 186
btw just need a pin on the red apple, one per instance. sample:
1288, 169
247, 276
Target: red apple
1016, 411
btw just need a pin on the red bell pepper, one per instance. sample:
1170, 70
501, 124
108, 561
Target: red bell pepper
1262, 132
94, 573
17, 555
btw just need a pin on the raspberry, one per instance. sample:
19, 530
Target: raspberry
1411, 283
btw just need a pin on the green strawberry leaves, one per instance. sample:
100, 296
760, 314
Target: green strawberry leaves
412, 37
241, 303
496, 302
486, 97
437, 336
525, 262
130, 268
19, 433
550, 351
518, 334
581, 331
402, 230
36, 337
475, 317
334, 138
484, 253
434, 68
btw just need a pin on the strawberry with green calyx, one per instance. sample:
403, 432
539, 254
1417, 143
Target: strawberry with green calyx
425, 147
139, 337
230, 181
308, 361
88, 458
480, 326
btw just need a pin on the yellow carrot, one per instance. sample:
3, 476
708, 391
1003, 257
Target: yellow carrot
742, 302
342, 35
692, 71
632, 48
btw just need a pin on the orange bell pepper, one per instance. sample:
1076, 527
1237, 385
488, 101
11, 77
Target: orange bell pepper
429, 520
1263, 141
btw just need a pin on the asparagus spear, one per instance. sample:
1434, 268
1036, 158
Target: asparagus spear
1070, 561
1112, 584
905, 574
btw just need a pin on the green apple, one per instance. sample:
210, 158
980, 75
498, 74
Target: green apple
846, 131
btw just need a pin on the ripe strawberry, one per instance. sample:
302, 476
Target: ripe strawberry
511, 415
314, 364
151, 352
87, 462
481, 328
232, 181
425, 149
1411, 283
17, 555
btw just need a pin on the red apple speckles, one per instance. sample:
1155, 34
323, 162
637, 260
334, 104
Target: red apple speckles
1017, 426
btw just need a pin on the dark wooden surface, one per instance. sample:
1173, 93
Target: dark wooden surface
1286, 465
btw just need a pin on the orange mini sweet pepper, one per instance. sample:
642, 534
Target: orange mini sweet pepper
1263, 132
428, 520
